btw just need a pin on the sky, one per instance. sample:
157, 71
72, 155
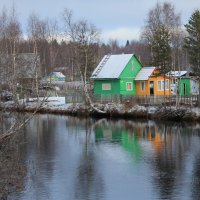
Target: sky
120, 20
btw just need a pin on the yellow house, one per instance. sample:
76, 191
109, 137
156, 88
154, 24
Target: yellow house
149, 83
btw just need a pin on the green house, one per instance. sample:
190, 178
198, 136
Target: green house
115, 74
188, 86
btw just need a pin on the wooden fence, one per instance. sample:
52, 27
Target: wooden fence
77, 96
148, 99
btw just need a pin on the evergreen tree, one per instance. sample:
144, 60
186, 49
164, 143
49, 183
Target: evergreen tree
127, 43
192, 41
161, 51
164, 14
192, 44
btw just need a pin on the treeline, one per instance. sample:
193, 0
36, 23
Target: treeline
66, 49
59, 55
55, 49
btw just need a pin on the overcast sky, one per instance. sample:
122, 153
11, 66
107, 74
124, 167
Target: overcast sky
117, 19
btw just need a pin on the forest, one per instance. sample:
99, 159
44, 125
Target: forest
57, 41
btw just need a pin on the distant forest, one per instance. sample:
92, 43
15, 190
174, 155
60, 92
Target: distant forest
55, 45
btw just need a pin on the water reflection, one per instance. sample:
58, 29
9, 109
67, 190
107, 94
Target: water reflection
195, 182
12, 169
88, 184
169, 153
71, 158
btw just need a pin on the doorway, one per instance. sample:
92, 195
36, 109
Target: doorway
151, 87
184, 89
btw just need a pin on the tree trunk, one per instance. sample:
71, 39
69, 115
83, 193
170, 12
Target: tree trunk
164, 92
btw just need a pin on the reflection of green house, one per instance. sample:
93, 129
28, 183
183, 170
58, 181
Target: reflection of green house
108, 134
129, 142
188, 86
115, 74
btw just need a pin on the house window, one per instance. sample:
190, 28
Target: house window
161, 85
142, 85
106, 86
167, 84
129, 86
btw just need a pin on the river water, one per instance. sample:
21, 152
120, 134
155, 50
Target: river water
68, 158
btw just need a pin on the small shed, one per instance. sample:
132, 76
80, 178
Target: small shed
148, 82
56, 77
183, 84
115, 74
188, 86
174, 79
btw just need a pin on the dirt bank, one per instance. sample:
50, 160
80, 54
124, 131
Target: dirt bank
112, 110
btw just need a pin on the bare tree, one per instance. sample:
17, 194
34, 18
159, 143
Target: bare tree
13, 66
10, 37
82, 36
37, 33
179, 57
164, 15
53, 36
114, 46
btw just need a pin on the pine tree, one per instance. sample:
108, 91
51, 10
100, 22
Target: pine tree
161, 51
192, 41
127, 43
192, 44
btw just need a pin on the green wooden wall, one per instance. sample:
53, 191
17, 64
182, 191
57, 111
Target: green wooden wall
115, 86
184, 87
128, 75
118, 86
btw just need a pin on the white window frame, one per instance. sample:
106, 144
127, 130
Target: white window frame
142, 86
167, 84
127, 86
161, 85
106, 86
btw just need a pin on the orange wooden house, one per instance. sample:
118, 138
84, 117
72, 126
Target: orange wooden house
148, 82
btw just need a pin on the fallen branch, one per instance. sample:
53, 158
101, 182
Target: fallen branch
13, 130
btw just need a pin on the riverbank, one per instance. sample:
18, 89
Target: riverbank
57, 105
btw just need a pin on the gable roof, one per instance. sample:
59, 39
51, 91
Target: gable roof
111, 66
57, 74
176, 73
144, 73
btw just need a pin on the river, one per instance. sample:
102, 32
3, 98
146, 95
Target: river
69, 158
